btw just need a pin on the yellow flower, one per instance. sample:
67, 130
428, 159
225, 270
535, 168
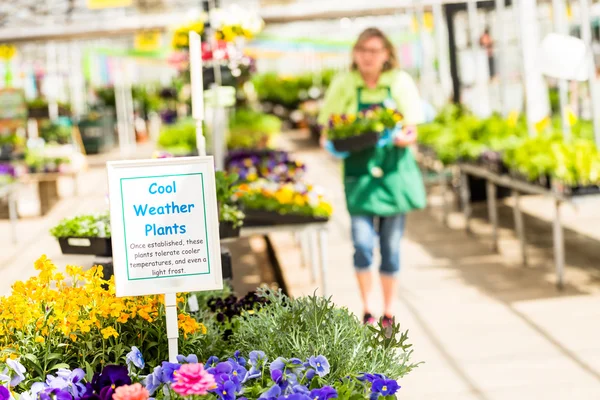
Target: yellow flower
109, 332
40, 339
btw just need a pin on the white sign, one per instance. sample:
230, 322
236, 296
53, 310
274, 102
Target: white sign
165, 229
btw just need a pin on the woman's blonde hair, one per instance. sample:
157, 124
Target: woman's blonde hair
370, 33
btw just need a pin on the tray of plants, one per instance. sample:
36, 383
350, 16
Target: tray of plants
357, 132
271, 203
231, 217
85, 234
266, 218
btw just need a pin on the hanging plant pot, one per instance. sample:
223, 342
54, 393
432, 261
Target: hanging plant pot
357, 143
227, 231
266, 218
90, 245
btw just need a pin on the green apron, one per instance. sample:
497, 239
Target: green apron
382, 181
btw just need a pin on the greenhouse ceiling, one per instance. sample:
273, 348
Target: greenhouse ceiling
29, 20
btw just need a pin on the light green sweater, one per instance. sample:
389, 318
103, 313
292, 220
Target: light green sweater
341, 97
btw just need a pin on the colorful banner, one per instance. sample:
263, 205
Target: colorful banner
148, 41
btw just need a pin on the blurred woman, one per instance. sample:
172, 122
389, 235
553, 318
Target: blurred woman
381, 184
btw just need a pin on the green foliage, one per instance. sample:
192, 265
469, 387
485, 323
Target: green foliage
374, 120
89, 225
55, 133
252, 129
228, 211
288, 91
180, 138
312, 325
457, 135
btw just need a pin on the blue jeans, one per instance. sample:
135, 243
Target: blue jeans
364, 234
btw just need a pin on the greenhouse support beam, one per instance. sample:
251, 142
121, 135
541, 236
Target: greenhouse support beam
586, 35
559, 12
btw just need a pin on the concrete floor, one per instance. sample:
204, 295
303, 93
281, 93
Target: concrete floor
485, 326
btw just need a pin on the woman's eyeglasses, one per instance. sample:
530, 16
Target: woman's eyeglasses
370, 51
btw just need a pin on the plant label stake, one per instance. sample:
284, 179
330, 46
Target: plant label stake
165, 231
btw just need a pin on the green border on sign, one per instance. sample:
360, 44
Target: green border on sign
125, 232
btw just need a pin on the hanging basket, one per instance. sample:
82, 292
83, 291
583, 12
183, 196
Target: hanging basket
357, 143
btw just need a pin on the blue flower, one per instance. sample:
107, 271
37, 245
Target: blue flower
385, 387
18, 369
273, 393
135, 357
212, 361
226, 390
191, 359
257, 360
154, 380
325, 393
278, 364
320, 365
298, 396
300, 389
239, 374
237, 359
370, 377
310, 374
4, 393
167, 371
55, 394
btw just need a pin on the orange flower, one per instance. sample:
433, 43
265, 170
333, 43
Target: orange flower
131, 392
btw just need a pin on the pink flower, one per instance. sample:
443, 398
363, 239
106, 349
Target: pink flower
131, 392
193, 379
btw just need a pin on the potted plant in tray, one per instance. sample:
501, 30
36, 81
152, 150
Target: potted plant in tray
272, 203
231, 218
85, 234
356, 132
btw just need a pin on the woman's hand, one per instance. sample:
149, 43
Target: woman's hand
407, 137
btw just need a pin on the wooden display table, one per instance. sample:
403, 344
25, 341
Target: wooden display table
47, 185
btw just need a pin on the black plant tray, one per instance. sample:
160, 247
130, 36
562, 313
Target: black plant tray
94, 246
543, 181
492, 161
266, 218
357, 143
577, 190
227, 231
